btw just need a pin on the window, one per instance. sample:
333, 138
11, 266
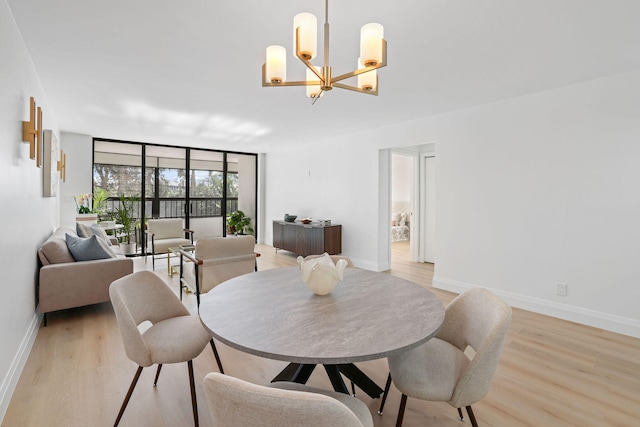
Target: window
178, 182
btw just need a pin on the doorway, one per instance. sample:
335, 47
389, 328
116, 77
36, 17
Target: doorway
402, 198
412, 204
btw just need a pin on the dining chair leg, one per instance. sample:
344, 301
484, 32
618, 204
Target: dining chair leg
460, 414
472, 417
403, 403
217, 356
194, 402
353, 389
384, 394
128, 396
155, 382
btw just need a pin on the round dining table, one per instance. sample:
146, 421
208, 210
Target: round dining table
369, 315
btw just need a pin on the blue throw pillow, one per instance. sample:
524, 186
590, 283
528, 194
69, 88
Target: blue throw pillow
87, 249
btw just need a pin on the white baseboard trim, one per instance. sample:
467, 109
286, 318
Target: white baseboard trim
17, 365
368, 265
597, 319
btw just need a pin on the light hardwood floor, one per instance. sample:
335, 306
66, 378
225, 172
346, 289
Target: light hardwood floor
552, 372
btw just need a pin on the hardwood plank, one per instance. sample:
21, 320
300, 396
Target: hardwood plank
552, 372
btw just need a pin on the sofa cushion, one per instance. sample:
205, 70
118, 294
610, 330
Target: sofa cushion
99, 231
55, 251
61, 231
87, 249
83, 230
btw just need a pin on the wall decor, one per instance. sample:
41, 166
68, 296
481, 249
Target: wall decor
62, 166
51, 164
31, 131
39, 139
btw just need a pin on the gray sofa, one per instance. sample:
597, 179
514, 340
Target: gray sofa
67, 283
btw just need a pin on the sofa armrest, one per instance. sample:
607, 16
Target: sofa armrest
75, 284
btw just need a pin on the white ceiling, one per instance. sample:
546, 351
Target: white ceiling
188, 72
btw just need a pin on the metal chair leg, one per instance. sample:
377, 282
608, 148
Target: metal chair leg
128, 396
384, 394
353, 389
472, 417
403, 403
194, 402
155, 382
217, 356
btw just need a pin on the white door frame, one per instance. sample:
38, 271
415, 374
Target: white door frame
414, 191
418, 234
424, 256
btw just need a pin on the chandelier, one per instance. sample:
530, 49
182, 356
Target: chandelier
373, 55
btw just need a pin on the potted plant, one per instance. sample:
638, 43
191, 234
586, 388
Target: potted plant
238, 223
100, 197
124, 215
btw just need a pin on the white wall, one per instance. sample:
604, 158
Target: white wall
401, 175
28, 218
531, 191
247, 173
337, 181
79, 150
544, 189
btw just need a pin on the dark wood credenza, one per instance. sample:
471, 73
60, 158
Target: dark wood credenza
307, 239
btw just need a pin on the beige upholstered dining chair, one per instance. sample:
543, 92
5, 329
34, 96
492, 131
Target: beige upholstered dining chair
237, 403
166, 233
456, 366
174, 335
215, 260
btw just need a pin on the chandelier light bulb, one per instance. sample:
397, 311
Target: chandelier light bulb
308, 25
276, 64
371, 36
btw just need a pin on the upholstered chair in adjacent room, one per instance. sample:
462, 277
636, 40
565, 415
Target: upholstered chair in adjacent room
237, 403
456, 366
166, 233
174, 335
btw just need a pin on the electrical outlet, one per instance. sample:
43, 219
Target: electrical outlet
561, 289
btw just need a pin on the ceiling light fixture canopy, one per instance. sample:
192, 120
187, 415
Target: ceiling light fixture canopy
373, 55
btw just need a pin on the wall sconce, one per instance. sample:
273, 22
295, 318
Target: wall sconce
31, 132
62, 166
38, 139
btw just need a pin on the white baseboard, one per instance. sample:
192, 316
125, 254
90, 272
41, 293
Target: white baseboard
371, 266
597, 319
13, 375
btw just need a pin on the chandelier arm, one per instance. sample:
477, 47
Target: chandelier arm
298, 83
381, 64
305, 61
357, 89
265, 83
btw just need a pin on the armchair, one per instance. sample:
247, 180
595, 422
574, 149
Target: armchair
215, 260
166, 233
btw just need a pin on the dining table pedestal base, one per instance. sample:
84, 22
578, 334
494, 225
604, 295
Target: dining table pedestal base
300, 373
